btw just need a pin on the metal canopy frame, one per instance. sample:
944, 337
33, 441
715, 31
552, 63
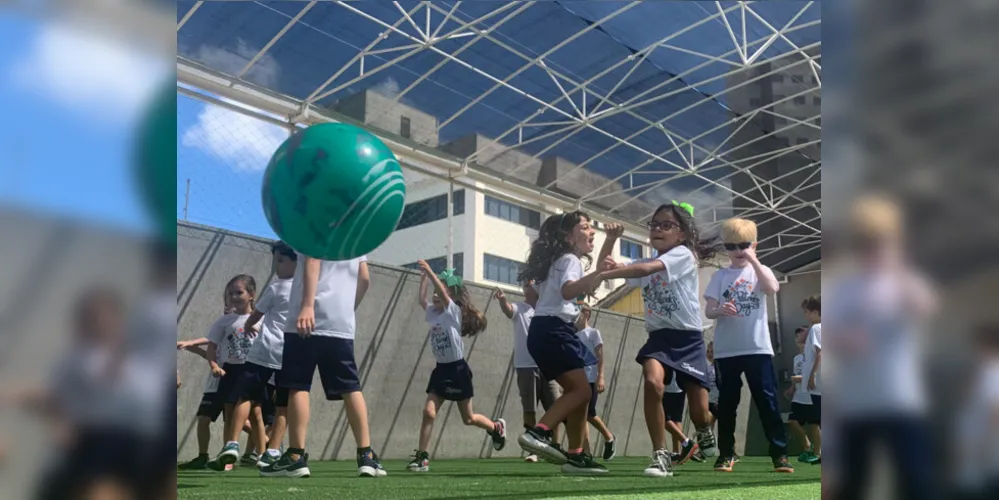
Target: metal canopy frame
581, 106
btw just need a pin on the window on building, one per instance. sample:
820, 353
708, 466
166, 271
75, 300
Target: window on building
513, 213
439, 264
431, 209
817, 101
755, 102
631, 250
404, 127
500, 270
799, 100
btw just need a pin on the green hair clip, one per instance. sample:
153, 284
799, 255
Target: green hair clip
449, 278
685, 206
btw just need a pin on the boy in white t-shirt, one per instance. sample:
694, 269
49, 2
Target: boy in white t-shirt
590, 337
320, 334
532, 386
812, 308
737, 301
801, 402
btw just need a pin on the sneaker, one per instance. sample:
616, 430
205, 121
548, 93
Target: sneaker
250, 458
804, 456
286, 467
368, 465
687, 451
706, 443
736, 458
661, 466
539, 441
583, 463
724, 464
781, 464
198, 463
610, 449
814, 460
699, 456
531, 458
227, 457
267, 459
420, 462
499, 434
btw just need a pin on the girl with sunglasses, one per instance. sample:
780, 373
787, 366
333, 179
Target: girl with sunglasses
675, 347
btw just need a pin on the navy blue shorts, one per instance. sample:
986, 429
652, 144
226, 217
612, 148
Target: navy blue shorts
555, 347
269, 407
680, 351
803, 414
591, 411
673, 406
227, 385
211, 406
816, 409
333, 356
452, 381
251, 385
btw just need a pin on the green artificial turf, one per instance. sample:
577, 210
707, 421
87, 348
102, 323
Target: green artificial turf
753, 478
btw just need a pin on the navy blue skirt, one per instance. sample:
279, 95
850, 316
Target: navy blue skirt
452, 381
555, 347
680, 351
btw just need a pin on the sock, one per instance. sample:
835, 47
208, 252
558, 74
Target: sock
543, 427
298, 452
235, 443
274, 453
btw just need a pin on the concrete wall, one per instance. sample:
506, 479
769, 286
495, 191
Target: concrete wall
395, 365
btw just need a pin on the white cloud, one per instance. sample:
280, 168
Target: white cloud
243, 142
264, 72
92, 74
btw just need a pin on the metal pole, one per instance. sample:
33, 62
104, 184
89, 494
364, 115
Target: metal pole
187, 197
450, 224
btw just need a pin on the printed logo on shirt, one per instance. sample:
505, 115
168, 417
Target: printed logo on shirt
238, 345
440, 342
659, 299
740, 293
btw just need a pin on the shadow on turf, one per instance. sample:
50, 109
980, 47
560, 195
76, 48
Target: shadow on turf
660, 487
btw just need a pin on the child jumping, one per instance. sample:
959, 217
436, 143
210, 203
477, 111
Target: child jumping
531, 385
736, 298
595, 375
675, 347
452, 316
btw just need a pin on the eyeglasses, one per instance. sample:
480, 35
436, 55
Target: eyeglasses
737, 246
665, 226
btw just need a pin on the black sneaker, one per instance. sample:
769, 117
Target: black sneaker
198, 463
499, 434
661, 466
420, 462
583, 463
687, 451
706, 443
698, 457
610, 449
368, 465
724, 464
781, 464
286, 467
538, 441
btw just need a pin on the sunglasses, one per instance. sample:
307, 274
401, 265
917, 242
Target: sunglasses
665, 226
737, 246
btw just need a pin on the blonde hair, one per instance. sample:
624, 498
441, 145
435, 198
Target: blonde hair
875, 218
738, 231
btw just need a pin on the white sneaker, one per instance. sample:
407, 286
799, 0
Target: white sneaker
706, 443
661, 465
531, 458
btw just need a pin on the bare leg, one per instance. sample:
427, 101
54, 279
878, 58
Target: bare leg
298, 419
277, 431
601, 427
697, 400
654, 375
469, 417
240, 413
429, 415
258, 432
357, 417
571, 407
798, 433
815, 435
676, 433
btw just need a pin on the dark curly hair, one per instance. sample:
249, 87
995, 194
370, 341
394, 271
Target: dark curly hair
473, 321
702, 249
552, 243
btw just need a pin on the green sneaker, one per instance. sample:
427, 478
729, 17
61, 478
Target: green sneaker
267, 459
250, 458
814, 460
198, 463
228, 456
285, 467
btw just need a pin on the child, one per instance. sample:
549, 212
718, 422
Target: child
675, 347
554, 263
452, 316
319, 333
736, 298
595, 375
812, 361
264, 358
673, 403
713, 383
531, 384
801, 401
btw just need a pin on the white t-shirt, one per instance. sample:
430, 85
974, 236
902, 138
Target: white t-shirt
550, 302
522, 314
590, 337
336, 290
269, 346
747, 332
674, 386
800, 392
671, 295
713, 383
812, 344
445, 332
233, 343
977, 431
211, 381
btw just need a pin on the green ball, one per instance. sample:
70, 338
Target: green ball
333, 191
156, 162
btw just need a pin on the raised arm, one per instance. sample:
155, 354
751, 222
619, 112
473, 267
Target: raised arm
250, 326
768, 282
424, 290
505, 305
363, 283
636, 270
614, 232
187, 345
428, 272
